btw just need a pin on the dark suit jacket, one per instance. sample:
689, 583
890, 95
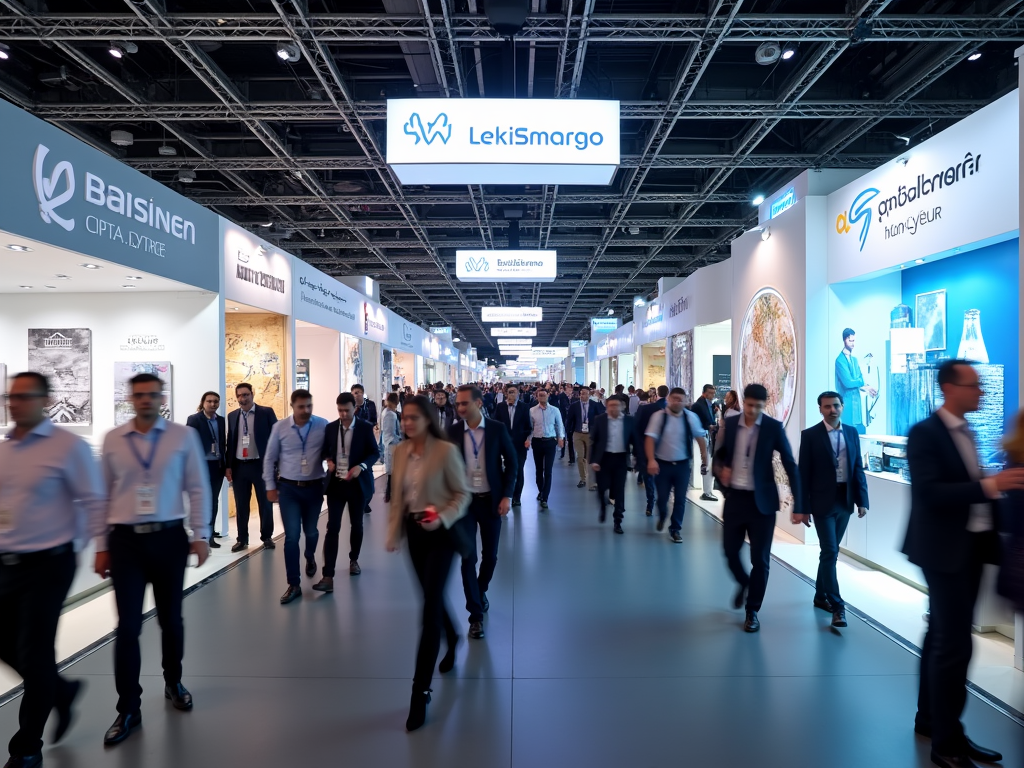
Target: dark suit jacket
521, 430
599, 437
449, 413
642, 418
561, 402
362, 450
500, 461
201, 424
941, 495
367, 412
771, 437
574, 421
261, 422
818, 470
703, 410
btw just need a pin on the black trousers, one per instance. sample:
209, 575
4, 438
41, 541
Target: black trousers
31, 595
947, 649
831, 528
521, 453
481, 509
137, 559
247, 477
543, 462
432, 554
340, 493
612, 479
216, 470
570, 443
741, 517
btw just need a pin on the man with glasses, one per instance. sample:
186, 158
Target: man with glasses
50, 493
150, 464
249, 428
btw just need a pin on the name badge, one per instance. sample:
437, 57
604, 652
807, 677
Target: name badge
145, 500
6, 519
245, 446
586, 427
305, 467
341, 469
213, 449
478, 478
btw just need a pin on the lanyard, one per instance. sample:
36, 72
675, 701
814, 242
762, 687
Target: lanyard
750, 440
245, 423
586, 411
476, 446
835, 446
298, 429
398, 428
146, 463
344, 453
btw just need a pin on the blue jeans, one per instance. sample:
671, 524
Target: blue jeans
672, 476
300, 509
831, 529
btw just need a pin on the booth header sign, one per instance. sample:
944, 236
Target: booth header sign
600, 325
503, 141
511, 314
783, 202
60, 191
255, 272
506, 266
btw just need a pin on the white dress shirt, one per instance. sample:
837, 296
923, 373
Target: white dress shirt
475, 462
51, 490
245, 428
177, 468
980, 517
546, 421
743, 454
673, 445
838, 442
616, 439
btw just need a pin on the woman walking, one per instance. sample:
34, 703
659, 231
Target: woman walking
429, 497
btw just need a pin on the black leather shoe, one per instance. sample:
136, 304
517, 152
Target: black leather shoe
448, 662
543, 505
676, 538
603, 515
708, 497
65, 713
238, 546
310, 567
485, 602
618, 528
581, 484
417, 710
953, 761
24, 761
517, 502
739, 598
476, 630
539, 497
179, 696
326, 584
269, 544
974, 751
122, 728
661, 525
752, 624
824, 604
292, 593
650, 512
213, 543
839, 618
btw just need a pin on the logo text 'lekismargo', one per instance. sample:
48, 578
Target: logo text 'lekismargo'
511, 136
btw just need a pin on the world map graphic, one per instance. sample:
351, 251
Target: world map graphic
768, 352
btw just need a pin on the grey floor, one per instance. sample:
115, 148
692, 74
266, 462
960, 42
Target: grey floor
601, 650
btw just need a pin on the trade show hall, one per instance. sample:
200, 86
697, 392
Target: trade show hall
600, 651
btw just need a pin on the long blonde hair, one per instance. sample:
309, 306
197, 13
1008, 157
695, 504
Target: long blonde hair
1013, 443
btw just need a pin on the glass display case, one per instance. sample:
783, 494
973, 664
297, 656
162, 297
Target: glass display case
885, 456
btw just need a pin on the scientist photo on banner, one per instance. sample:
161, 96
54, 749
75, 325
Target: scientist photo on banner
850, 384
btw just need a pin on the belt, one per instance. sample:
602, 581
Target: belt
485, 495
140, 528
673, 463
543, 438
301, 483
247, 461
17, 558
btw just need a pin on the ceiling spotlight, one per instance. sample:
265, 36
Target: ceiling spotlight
91, 266
904, 139
265, 224
26, 287
611, 311
186, 176
122, 138
288, 52
974, 56
50, 286
919, 261
120, 49
19, 248
234, 309
166, 150
5, 52
456, 340
788, 54
767, 53
128, 286
765, 233
634, 230
758, 199
132, 277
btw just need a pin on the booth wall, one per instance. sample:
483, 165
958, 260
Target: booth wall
708, 341
322, 347
256, 352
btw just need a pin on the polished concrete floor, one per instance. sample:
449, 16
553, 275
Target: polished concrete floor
601, 651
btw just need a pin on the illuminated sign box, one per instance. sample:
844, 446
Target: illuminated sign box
783, 202
511, 314
504, 331
503, 141
506, 266
603, 325
556, 352
441, 330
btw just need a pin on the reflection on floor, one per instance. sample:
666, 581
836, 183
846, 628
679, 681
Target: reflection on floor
601, 651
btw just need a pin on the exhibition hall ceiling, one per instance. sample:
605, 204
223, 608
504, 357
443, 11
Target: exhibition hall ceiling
272, 113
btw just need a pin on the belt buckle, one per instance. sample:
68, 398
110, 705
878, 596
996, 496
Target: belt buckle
10, 558
145, 528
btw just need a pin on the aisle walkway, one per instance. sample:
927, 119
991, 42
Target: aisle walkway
602, 651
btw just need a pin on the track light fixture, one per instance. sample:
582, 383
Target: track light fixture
119, 49
5, 51
288, 52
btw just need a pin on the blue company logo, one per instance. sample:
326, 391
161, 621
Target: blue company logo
859, 211
438, 128
478, 265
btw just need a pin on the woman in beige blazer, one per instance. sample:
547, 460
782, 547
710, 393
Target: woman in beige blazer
429, 498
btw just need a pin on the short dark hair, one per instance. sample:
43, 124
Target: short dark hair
642, 394
202, 400
391, 398
358, 386
346, 398
662, 391
948, 373
829, 395
145, 378
707, 387
618, 389
755, 392
243, 385
40, 380
301, 394
512, 386
677, 391
474, 391
848, 332
394, 387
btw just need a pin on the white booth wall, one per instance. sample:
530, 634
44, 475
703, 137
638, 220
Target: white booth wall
322, 347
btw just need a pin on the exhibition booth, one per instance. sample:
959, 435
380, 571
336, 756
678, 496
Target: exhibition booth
615, 356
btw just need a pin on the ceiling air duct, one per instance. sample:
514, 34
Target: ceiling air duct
507, 16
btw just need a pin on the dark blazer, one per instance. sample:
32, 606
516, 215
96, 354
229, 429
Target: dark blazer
643, 417
818, 470
941, 495
201, 424
500, 461
771, 437
363, 450
574, 421
703, 410
561, 402
367, 411
449, 413
521, 430
599, 437
261, 423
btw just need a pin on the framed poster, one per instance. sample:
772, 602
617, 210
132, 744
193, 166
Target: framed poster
64, 355
930, 314
124, 409
721, 368
302, 373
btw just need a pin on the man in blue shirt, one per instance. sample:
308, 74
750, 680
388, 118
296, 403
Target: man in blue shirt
547, 432
294, 473
850, 381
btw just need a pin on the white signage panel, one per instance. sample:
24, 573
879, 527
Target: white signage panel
506, 266
505, 331
556, 352
649, 323
600, 325
503, 141
256, 273
320, 299
953, 190
441, 330
511, 314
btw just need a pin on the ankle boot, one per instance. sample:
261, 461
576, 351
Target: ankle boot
417, 709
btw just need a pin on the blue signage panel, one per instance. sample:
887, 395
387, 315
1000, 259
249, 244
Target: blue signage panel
783, 202
60, 191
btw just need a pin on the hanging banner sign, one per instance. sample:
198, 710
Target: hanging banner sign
498, 332
511, 314
506, 266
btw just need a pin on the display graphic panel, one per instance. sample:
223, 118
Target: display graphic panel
680, 362
768, 352
352, 361
254, 351
721, 367
302, 373
64, 355
930, 314
124, 409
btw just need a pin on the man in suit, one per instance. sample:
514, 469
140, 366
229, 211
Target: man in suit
350, 450
578, 424
491, 462
366, 410
668, 451
560, 400
702, 407
643, 418
753, 498
515, 415
213, 437
444, 410
574, 397
249, 428
951, 535
833, 483
850, 381
612, 437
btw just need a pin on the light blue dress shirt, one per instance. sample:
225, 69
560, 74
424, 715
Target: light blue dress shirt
546, 422
285, 450
51, 490
673, 445
838, 441
616, 439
